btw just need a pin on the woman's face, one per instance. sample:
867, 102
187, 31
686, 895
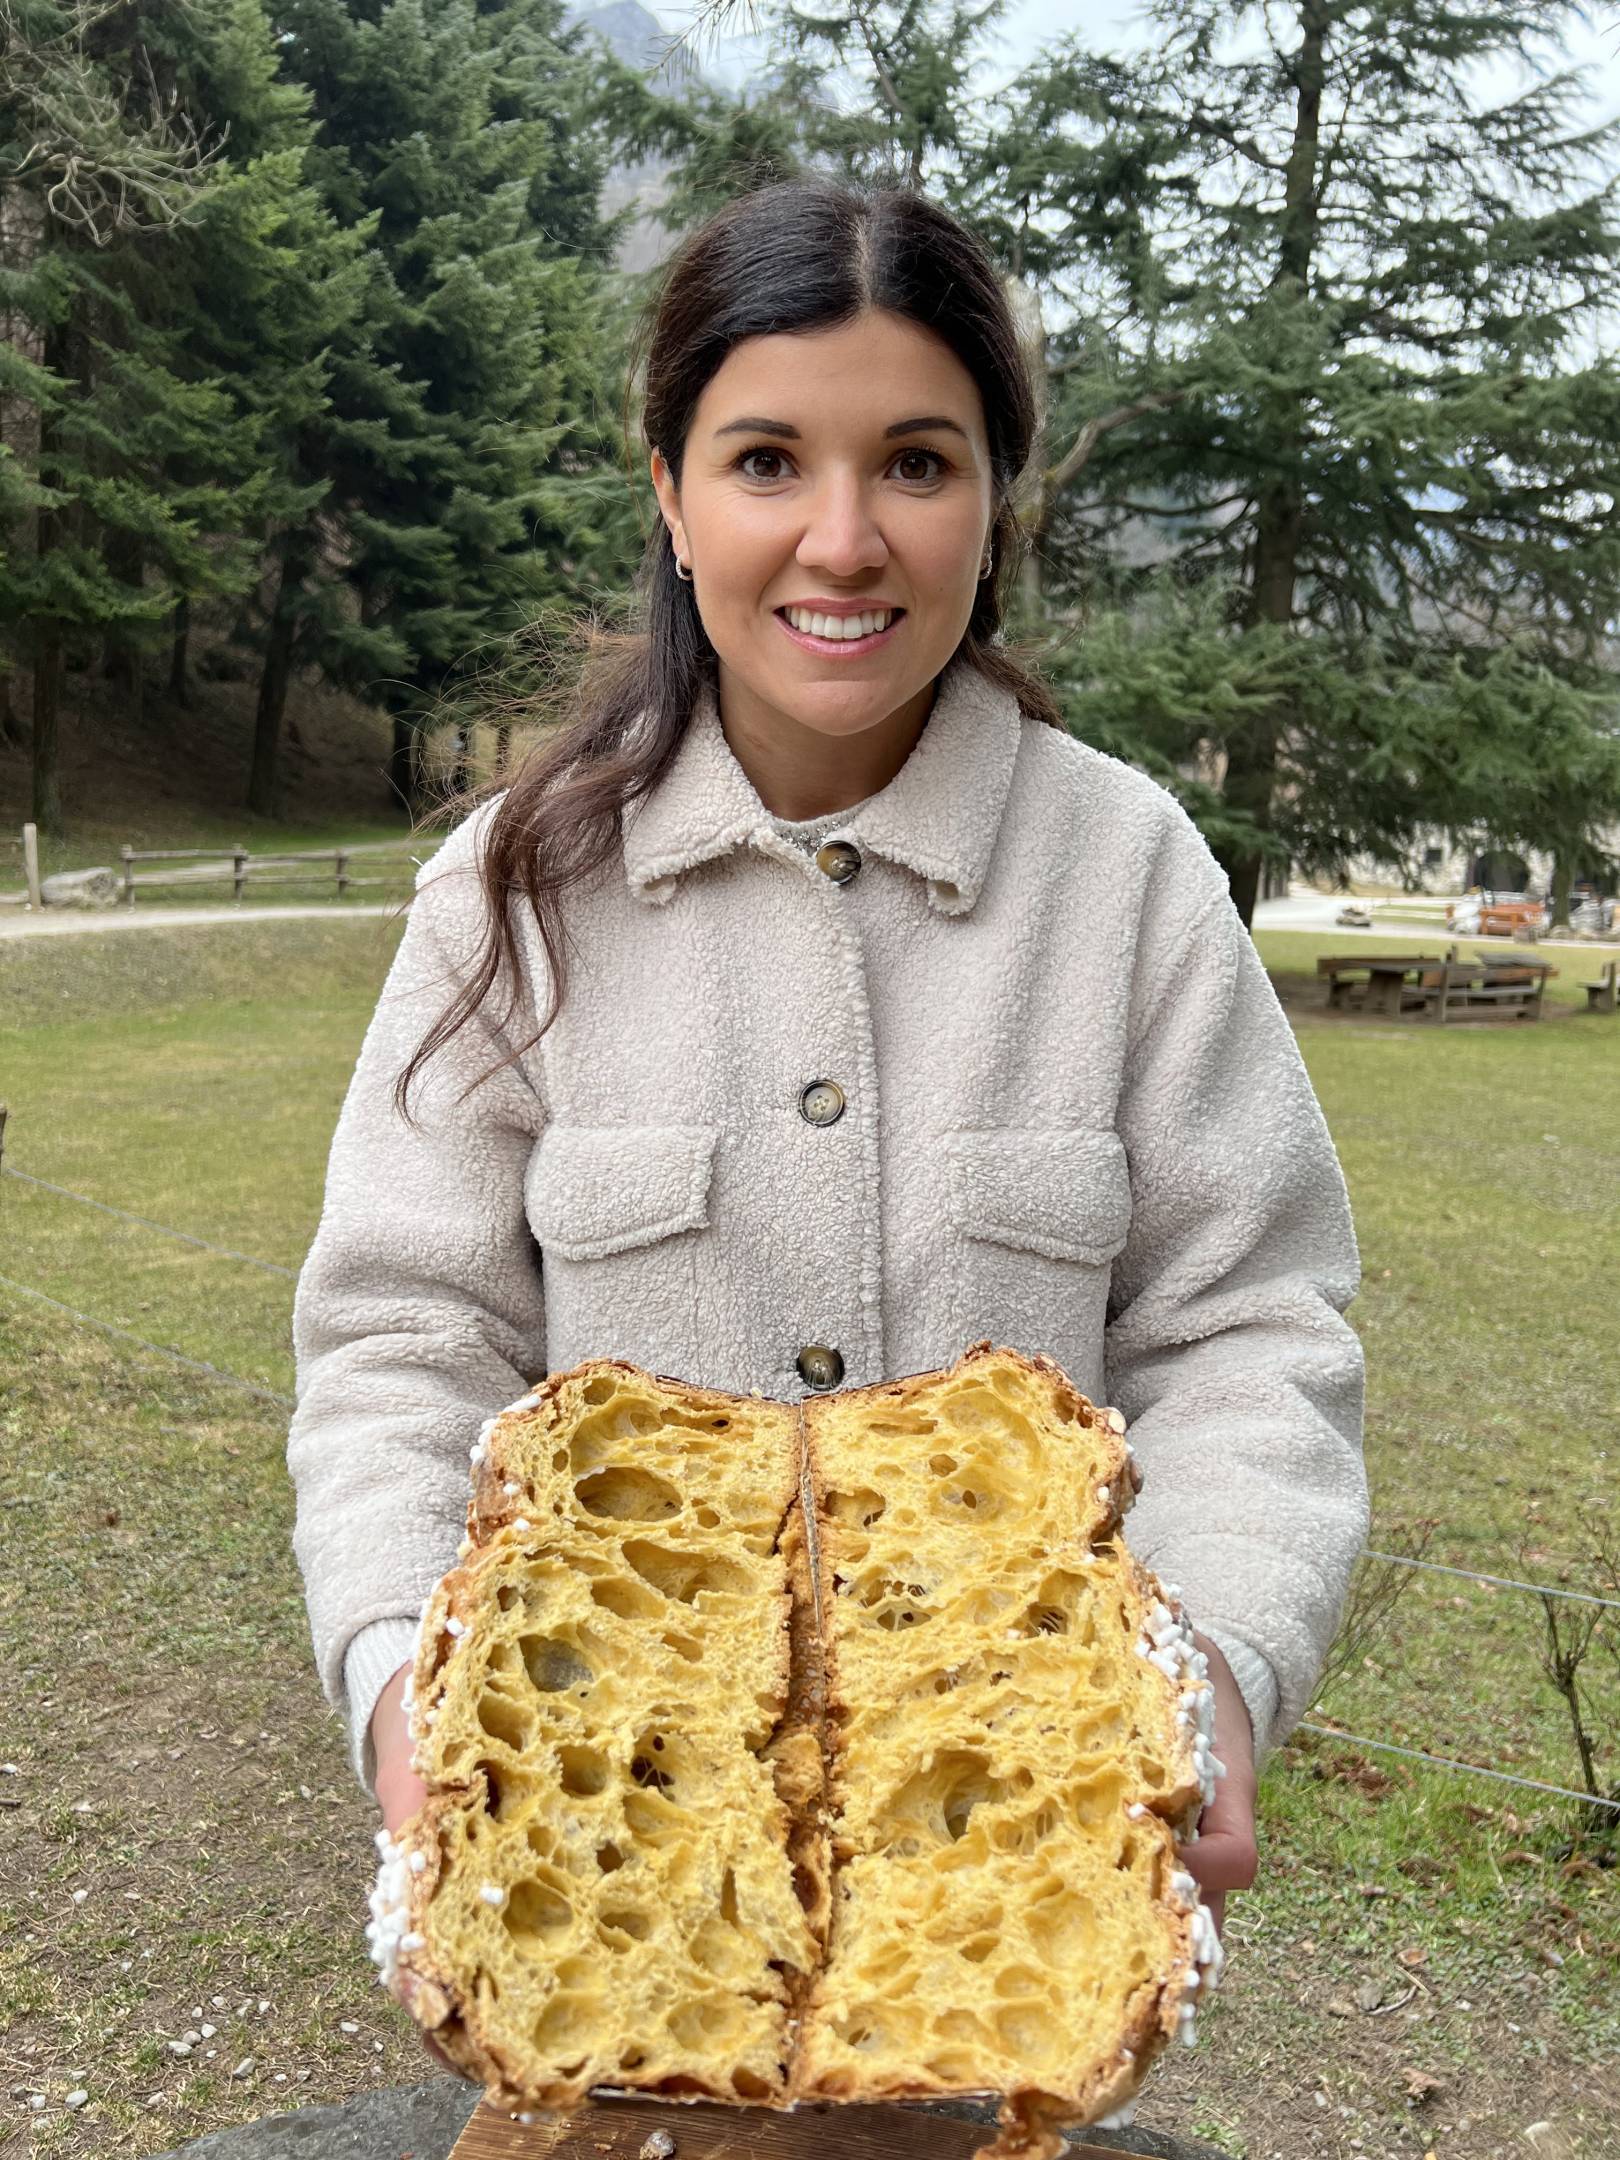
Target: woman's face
847, 466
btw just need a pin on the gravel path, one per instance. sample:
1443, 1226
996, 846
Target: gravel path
69, 922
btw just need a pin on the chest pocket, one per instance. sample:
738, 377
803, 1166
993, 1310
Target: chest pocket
621, 1216
1036, 1214
1064, 1192
594, 1190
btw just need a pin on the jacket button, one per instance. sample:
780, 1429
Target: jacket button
822, 1103
840, 859
820, 1367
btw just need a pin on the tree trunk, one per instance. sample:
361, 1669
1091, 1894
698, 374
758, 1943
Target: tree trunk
1563, 879
13, 734
179, 680
47, 686
264, 785
404, 775
121, 552
49, 528
1252, 755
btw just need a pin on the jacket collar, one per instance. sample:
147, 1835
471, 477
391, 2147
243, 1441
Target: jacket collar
938, 816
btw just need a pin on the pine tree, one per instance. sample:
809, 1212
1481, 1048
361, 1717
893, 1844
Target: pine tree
1304, 317
93, 169
472, 468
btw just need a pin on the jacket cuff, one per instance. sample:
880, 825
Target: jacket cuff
1257, 1684
373, 1657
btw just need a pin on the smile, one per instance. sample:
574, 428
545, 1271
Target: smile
840, 637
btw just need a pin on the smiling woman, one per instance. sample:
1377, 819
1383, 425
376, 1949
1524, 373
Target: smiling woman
835, 550
992, 1059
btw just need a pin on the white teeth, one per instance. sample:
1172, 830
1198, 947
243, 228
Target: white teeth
839, 626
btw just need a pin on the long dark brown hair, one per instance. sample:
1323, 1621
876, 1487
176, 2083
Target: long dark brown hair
797, 255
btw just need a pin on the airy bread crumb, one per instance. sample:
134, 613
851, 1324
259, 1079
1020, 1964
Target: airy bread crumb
796, 1754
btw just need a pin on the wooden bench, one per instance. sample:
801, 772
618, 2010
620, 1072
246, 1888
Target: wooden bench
1601, 996
1510, 990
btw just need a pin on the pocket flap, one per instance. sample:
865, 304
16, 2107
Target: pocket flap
1063, 1191
590, 1190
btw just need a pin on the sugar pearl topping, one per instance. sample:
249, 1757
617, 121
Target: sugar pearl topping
388, 1931
1166, 1641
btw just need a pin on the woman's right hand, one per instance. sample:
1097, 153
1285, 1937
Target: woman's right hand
400, 1793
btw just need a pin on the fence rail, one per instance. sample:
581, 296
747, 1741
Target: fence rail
244, 867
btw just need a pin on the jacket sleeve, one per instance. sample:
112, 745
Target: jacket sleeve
1226, 1347
419, 1311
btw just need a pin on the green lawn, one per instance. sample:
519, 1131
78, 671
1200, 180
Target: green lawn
193, 1076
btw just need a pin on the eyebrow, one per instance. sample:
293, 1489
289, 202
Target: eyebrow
791, 434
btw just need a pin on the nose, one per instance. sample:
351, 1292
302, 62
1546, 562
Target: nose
841, 534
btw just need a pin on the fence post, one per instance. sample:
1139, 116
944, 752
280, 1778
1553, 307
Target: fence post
31, 865
238, 860
342, 871
128, 854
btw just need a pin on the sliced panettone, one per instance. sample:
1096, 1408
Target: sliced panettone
601, 1886
1009, 1775
805, 1754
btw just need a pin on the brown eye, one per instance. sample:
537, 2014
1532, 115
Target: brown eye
748, 454
930, 454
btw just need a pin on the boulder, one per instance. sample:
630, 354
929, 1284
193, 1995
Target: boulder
79, 888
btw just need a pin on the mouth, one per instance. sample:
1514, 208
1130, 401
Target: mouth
836, 646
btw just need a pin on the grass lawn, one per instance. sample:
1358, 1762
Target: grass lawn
1428, 1964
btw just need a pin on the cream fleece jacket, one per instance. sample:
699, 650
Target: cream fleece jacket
1074, 1121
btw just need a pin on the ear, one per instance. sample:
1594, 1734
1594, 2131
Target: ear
668, 500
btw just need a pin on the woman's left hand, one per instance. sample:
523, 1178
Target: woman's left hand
1226, 1856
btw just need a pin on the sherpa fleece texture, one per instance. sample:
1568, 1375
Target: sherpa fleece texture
1075, 1122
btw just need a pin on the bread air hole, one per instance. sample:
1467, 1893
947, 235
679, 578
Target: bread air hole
978, 1947
623, 1494
535, 1909
583, 1771
1026, 2030
628, 1600
703, 2023
505, 1721
858, 2029
609, 1857
565, 2021
747, 2085
553, 1665
627, 1920
862, 1506
686, 1575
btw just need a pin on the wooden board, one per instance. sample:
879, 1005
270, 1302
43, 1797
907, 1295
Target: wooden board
702, 2130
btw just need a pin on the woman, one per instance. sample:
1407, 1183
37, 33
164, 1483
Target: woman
881, 1015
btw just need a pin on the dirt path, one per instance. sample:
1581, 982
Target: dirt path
69, 922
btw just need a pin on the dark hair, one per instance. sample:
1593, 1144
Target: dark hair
796, 255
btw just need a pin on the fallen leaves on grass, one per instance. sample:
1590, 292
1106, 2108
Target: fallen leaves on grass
1421, 2085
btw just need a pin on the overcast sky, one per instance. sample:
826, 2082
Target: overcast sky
1117, 25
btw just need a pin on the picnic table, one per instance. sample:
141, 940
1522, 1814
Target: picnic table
1506, 986
1372, 979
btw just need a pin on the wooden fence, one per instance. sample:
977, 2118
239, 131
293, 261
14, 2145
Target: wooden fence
236, 866
22, 849
240, 868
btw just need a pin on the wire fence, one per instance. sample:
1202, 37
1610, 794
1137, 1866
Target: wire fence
185, 1237
270, 1395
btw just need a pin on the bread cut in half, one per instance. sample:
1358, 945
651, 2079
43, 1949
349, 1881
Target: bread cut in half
797, 1754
